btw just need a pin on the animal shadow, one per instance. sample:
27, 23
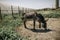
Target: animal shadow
40, 30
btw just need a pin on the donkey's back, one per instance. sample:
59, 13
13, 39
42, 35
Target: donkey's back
30, 15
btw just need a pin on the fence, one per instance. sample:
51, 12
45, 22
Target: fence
12, 11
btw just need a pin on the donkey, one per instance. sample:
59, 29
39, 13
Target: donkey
26, 16
35, 16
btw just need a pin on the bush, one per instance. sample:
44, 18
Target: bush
51, 15
7, 28
6, 33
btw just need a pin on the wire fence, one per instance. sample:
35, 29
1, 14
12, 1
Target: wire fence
13, 11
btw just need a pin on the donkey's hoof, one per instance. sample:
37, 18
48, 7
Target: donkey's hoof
45, 29
34, 29
25, 27
39, 27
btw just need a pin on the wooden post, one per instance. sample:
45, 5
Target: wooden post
26, 10
0, 14
23, 10
19, 10
12, 11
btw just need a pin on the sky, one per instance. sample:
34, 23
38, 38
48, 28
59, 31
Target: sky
34, 4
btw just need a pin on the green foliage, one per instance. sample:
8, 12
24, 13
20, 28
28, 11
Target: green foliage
7, 33
9, 21
51, 15
8, 28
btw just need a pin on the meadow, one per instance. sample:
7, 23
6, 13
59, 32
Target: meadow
8, 24
8, 27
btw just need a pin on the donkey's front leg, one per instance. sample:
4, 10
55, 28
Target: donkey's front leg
34, 24
25, 23
39, 24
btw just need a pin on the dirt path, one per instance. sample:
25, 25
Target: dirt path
52, 33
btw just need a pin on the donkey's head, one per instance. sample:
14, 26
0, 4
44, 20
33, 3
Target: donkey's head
44, 23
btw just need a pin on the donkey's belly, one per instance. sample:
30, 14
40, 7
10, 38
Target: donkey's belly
29, 17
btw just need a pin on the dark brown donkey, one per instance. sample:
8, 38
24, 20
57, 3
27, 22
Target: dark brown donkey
34, 16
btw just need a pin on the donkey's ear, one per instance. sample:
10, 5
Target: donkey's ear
46, 19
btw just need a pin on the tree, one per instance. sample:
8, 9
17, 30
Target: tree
57, 3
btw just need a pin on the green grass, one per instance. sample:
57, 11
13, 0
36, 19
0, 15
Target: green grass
8, 27
50, 13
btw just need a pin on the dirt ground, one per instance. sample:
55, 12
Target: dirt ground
52, 32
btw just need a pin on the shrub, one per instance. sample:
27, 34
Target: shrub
52, 15
6, 33
7, 28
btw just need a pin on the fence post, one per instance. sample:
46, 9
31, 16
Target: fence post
23, 10
19, 10
12, 11
0, 14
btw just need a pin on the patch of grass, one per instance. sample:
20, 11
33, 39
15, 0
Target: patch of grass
7, 28
51, 15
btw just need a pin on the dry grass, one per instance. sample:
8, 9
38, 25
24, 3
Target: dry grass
53, 24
